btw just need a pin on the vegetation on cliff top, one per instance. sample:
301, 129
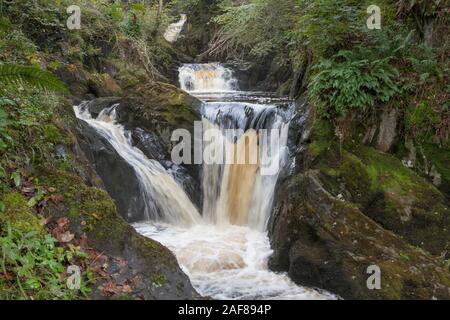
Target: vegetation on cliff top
47, 212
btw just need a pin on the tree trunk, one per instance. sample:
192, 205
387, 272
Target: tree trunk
428, 33
158, 16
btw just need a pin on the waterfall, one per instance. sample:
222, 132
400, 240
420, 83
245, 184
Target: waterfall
226, 256
165, 200
238, 192
225, 250
211, 77
173, 30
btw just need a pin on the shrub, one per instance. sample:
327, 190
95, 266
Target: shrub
349, 81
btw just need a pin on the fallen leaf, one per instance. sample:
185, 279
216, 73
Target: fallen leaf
62, 222
126, 289
95, 216
65, 237
51, 190
56, 198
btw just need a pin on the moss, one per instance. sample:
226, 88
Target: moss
52, 134
19, 214
420, 120
440, 158
389, 193
158, 280
321, 136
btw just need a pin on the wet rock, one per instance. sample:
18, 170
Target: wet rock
96, 106
325, 242
388, 130
150, 269
158, 110
118, 176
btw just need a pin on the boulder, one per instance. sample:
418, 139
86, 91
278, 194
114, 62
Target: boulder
325, 242
388, 130
103, 85
114, 171
149, 268
76, 80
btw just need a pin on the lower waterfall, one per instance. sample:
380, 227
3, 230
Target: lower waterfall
225, 249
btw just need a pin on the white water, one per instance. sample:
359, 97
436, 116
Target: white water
225, 251
173, 31
206, 78
226, 254
165, 200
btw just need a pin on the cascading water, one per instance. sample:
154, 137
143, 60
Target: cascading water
225, 255
165, 200
173, 30
225, 250
206, 78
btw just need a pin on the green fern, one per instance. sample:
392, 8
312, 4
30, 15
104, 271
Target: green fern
12, 74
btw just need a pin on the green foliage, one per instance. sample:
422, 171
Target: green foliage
424, 61
259, 27
351, 82
33, 267
421, 120
31, 76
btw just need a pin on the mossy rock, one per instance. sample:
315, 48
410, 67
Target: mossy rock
439, 158
326, 242
103, 85
389, 193
92, 212
19, 214
159, 104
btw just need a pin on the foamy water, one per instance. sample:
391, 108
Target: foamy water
225, 250
228, 262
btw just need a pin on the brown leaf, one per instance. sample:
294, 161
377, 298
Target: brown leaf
65, 237
62, 222
126, 289
110, 288
51, 190
56, 198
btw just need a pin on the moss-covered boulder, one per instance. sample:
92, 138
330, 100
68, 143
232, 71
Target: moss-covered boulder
326, 242
19, 214
103, 85
389, 193
159, 107
149, 268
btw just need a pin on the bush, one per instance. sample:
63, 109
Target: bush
349, 81
33, 267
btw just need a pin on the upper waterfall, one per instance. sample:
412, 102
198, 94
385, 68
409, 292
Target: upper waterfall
173, 30
209, 77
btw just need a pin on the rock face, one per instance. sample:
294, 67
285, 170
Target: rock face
150, 269
345, 207
387, 133
151, 113
114, 171
328, 243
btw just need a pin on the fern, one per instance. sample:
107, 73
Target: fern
11, 74
350, 82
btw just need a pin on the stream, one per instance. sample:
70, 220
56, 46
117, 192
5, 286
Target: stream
224, 249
